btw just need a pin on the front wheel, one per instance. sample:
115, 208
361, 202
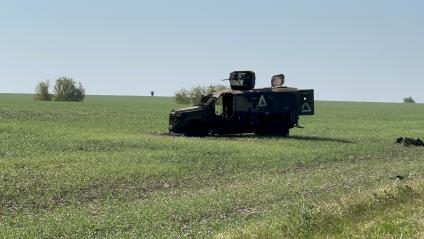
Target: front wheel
197, 129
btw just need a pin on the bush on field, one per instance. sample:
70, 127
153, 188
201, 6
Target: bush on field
194, 95
182, 96
408, 100
66, 89
215, 88
42, 91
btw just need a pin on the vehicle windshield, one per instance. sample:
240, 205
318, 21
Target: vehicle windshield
206, 100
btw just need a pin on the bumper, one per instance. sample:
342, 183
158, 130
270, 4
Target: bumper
172, 123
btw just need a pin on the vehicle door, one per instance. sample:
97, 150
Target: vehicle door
223, 112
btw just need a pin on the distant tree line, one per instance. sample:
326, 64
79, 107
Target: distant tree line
194, 95
65, 89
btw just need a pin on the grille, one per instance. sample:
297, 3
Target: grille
172, 119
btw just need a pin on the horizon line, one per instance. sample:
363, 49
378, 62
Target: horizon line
168, 96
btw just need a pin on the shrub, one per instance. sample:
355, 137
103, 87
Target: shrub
215, 88
408, 100
182, 96
42, 91
194, 95
66, 89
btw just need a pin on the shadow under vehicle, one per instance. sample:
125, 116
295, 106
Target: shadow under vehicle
269, 111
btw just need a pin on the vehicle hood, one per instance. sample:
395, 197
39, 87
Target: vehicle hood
188, 109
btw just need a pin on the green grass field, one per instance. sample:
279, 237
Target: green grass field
106, 168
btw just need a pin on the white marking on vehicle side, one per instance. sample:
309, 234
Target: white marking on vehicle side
262, 101
306, 108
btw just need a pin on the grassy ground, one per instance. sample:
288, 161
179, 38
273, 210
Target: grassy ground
104, 168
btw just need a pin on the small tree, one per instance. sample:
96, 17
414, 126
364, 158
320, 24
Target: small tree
42, 91
66, 89
408, 100
182, 96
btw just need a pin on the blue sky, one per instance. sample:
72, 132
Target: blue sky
356, 50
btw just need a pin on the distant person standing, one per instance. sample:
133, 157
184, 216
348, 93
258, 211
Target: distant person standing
152, 93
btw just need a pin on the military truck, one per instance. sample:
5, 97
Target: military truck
269, 111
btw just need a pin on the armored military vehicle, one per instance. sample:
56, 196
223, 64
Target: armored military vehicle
243, 109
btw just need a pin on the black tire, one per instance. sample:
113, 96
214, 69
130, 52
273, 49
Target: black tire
197, 129
260, 132
276, 128
284, 132
196, 133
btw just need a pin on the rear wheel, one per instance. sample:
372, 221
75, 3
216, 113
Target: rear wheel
196, 133
274, 128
